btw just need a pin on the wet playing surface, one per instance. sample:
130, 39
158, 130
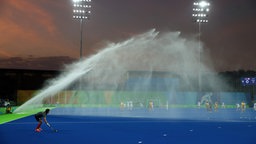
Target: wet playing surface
210, 128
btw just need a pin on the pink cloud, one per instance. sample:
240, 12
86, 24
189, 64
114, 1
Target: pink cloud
27, 28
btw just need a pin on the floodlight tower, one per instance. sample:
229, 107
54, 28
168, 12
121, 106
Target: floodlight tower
201, 9
81, 11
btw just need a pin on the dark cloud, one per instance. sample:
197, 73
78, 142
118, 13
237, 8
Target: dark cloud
36, 63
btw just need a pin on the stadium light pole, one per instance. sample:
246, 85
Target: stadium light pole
81, 11
201, 9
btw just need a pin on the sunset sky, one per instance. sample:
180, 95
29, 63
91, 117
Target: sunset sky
41, 34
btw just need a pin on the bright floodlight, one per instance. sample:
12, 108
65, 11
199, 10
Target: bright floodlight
81, 0
200, 11
203, 4
82, 9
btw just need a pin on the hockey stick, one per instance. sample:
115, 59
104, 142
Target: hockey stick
53, 129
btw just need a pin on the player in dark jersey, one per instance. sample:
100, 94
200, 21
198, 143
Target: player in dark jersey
39, 116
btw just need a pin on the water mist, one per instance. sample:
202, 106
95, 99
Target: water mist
150, 67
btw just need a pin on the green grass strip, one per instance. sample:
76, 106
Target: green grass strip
4, 118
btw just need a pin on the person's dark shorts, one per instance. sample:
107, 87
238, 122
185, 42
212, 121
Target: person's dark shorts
37, 118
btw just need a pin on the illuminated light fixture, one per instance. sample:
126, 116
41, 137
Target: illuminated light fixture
204, 4
200, 11
82, 9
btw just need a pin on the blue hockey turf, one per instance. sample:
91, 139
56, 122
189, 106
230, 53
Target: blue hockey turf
208, 128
